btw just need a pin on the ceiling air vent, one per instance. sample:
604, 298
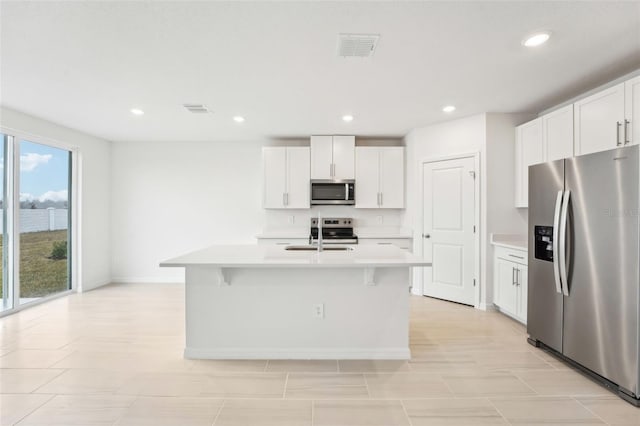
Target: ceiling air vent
357, 45
196, 108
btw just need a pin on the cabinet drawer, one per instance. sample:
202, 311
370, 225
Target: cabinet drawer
283, 241
403, 243
512, 255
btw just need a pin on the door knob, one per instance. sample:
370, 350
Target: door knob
426, 236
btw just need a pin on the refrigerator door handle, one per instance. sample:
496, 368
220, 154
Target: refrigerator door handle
556, 233
563, 242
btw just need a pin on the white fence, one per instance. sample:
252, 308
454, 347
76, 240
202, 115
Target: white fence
37, 220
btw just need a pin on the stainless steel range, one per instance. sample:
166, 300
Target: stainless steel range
335, 230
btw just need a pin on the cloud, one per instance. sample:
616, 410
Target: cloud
54, 196
31, 160
25, 196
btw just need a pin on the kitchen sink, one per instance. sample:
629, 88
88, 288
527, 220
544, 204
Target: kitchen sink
315, 248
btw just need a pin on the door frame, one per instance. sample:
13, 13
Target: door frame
476, 216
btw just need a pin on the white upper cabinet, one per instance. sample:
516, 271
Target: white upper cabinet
333, 157
557, 134
379, 177
529, 151
286, 177
631, 129
600, 121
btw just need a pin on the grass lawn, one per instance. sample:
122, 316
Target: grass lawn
39, 275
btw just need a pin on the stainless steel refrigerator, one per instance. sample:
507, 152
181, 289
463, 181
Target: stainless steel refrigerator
584, 256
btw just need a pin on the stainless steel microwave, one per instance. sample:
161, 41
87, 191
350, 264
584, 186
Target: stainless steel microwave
328, 191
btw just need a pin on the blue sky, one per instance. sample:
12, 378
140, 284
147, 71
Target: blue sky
44, 172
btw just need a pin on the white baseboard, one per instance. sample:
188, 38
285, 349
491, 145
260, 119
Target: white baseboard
296, 353
148, 280
88, 287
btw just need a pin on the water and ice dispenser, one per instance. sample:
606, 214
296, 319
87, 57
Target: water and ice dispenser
543, 245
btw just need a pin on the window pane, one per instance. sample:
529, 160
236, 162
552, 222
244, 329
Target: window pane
5, 292
44, 220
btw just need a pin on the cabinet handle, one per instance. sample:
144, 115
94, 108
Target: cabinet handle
284, 198
385, 244
517, 257
287, 198
626, 132
513, 276
518, 277
618, 126
381, 199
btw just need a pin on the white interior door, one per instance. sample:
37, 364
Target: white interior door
448, 229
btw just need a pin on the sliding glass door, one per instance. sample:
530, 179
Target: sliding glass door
45, 185
36, 183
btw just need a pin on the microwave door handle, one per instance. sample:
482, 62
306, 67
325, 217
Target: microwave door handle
556, 239
346, 192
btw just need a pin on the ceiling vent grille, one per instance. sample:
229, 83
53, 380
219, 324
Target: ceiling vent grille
196, 108
357, 45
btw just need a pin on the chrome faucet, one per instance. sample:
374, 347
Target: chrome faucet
319, 232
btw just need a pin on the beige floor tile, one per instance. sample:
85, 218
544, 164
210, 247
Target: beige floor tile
452, 412
121, 360
162, 411
372, 366
303, 366
256, 412
67, 410
165, 384
15, 407
359, 413
87, 382
561, 382
491, 384
25, 380
612, 410
544, 410
446, 363
32, 358
326, 385
406, 385
509, 360
240, 385
231, 365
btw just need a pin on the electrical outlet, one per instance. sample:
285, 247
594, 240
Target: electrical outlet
380, 219
318, 310
291, 220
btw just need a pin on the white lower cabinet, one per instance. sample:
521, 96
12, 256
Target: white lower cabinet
510, 282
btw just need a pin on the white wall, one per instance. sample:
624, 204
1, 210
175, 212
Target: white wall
172, 198
493, 137
95, 179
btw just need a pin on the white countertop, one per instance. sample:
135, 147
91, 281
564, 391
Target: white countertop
512, 241
374, 233
267, 256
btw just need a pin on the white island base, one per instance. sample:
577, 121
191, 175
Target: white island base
273, 313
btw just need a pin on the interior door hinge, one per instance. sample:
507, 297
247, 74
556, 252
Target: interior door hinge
473, 174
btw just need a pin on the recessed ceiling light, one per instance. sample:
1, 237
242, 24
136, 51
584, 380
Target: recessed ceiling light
449, 108
238, 119
347, 118
136, 111
536, 39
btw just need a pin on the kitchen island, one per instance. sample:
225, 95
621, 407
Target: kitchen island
270, 302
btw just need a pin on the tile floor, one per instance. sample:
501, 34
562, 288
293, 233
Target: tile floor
113, 356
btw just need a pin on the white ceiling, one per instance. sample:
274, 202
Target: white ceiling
86, 64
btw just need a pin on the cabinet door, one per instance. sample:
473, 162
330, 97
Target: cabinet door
298, 175
557, 134
522, 293
599, 121
321, 157
632, 110
344, 157
367, 177
506, 276
528, 152
392, 177
275, 177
